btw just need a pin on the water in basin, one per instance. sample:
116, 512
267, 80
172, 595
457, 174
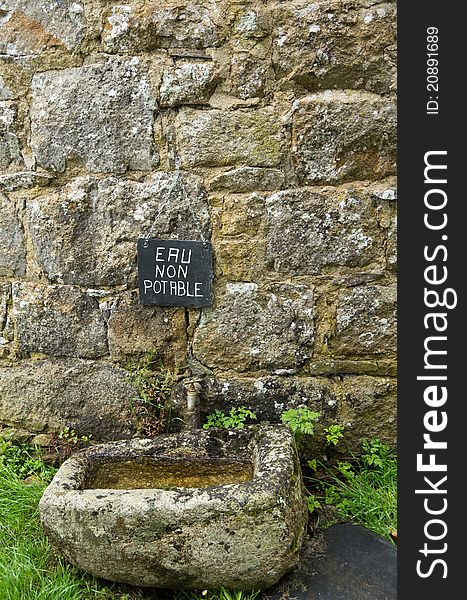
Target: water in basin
154, 473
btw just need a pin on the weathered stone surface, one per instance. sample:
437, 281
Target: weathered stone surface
364, 405
391, 246
342, 136
308, 232
136, 329
268, 396
10, 153
23, 180
5, 321
252, 328
368, 408
59, 321
252, 20
238, 243
100, 115
5, 292
29, 28
248, 179
366, 321
336, 44
12, 247
49, 395
223, 138
249, 75
138, 26
241, 214
187, 83
86, 232
5, 91
242, 535
238, 259
284, 111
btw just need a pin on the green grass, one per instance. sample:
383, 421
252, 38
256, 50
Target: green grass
363, 491
221, 594
28, 569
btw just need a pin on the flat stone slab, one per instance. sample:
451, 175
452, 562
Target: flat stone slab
348, 563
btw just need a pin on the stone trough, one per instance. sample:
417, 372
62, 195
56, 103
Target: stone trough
194, 510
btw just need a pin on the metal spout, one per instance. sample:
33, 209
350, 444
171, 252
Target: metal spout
193, 389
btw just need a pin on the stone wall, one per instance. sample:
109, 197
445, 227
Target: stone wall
267, 126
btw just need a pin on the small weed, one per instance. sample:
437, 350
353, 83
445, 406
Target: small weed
300, 420
154, 382
24, 461
334, 434
67, 442
69, 436
235, 419
221, 594
375, 453
313, 503
363, 491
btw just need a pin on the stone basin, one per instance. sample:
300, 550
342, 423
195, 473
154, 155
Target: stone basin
183, 511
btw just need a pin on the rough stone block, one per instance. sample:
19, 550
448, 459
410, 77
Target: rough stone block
252, 20
28, 28
23, 180
368, 409
49, 395
366, 321
241, 214
5, 294
142, 26
239, 258
9, 143
343, 136
100, 115
135, 329
268, 397
249, 75
248, 179
59, 321
252, 328
215, 138
187, 83
336, 44
364, 405
308, 232
85, 233
12, 246
391, 248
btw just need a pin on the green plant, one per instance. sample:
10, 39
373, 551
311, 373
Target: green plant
313, 503
69, 436
235, 419
375, 453
363, 491
152, 408
221, 594
333, 434
300, 420
23, 461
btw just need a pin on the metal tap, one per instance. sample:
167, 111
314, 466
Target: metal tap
193, 389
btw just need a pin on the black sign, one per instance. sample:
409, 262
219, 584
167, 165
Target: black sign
175, 272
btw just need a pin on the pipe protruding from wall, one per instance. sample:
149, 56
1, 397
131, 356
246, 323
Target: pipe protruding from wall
193, 389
